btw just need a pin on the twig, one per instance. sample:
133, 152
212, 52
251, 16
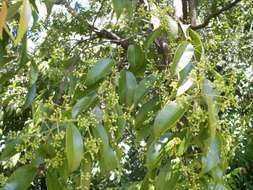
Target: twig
215, 14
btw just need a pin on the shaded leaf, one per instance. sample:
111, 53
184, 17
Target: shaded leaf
143, 87
152, 36
52, 181
74, 147
13, 10
21, 179
118, 7
108, 159
211, 159
155, 151
143, 113
99, 71
197, 43
83, 104
136, 58
30, 96
127, 86
168, 177
168, 117
10, 149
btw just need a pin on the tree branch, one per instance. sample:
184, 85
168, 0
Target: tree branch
215, 14
101, 33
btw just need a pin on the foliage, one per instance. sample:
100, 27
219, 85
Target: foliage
124, 95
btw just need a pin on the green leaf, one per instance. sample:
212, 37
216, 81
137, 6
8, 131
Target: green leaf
13, 10
184, 28
121, 122
21, 178
197, 43
118, 7
49, 5
130, 6
99, 71
136, 58
101, 133
145, 110
173, 28
30, 96
108, 159
211, 159
83, 104
155, 151
74, 147
209, 95
168, 117
151, 38
184, 73
127, 86
143, 88
10, 149
52, 181
185, 87
25, 15
168, 177
182, 57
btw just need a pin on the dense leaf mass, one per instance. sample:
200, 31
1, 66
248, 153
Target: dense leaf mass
126, 94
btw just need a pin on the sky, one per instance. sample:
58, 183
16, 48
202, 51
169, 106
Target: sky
43, 14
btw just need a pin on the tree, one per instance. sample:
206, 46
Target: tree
126, 95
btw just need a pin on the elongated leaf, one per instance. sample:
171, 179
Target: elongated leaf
197, 43
21, 178
182, 57
10, 149
118, 7
130, 5
83, 105
184, 73
211, 159
49, 5
168, 117
167, 177
156, 150
108, 159
151, 38
121, 122
26, 13
74, 147
13, 10
143, 88
52, 181
143, 113
209, 95
99, 71
127, 86
136, 58
184, 87
184, 28
3, 15
173, 28
30, 96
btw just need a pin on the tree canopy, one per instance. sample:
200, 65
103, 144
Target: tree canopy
126, 94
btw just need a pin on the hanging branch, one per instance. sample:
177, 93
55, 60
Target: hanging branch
216, 14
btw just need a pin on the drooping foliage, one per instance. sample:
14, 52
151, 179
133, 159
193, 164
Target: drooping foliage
115, 94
